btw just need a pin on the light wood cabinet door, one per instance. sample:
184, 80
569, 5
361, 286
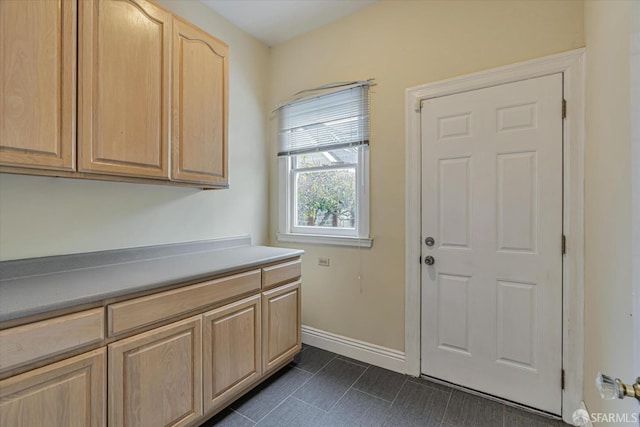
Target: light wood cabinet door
199, 128
231, 350
155, 378
124, 67
281, 334
68, 393
38, 83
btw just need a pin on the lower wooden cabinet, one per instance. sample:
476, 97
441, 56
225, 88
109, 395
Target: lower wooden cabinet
231, 351
155, 378
67, 393
175, 375
281, 328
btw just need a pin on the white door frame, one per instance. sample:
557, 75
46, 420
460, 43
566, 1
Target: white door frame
635, 185
571, 64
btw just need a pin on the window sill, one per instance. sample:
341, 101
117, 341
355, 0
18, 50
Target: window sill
359, 242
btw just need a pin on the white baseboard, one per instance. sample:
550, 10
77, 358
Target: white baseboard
383, 357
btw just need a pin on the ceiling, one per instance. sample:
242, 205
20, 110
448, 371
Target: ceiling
275, 21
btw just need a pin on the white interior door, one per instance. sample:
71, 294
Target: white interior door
492, 202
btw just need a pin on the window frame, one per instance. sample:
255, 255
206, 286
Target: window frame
289, 232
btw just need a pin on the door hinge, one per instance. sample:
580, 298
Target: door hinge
564, 108
562, 380
564, 244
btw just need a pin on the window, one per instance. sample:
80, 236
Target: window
323, 151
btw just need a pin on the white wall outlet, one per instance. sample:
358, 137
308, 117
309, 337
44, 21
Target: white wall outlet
323, 261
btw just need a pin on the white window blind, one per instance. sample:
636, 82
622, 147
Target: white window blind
324, 122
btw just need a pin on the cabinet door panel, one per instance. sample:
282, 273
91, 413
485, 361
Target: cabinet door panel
38, 78
124, 102
280, 325
199, 133
155, 377
231, 350
68, 393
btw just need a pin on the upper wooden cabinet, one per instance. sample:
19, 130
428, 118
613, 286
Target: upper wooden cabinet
199, 128
38, 83
151, 98
125, 51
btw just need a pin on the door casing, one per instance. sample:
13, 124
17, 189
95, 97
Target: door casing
572, 65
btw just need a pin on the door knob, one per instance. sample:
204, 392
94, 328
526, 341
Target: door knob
429, 241
610, 388
429, 260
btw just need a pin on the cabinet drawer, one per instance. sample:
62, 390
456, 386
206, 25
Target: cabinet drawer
128, 315
29, 343
281, 273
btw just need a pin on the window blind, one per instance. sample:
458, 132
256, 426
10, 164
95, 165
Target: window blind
324, 122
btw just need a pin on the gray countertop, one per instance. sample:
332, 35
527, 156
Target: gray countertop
87, 282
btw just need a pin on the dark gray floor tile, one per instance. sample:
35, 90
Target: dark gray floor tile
429, 383
418, 405
519, 418
380, 383
467, 410
228, 418
358, 394
293, 413
329, 384
258, 402
357, 362
358, 409
312, 359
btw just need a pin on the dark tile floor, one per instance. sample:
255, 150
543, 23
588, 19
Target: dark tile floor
321, 389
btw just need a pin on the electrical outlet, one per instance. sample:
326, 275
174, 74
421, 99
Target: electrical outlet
324, 262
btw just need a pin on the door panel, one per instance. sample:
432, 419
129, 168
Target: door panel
517, 202
199, 133
453, 310
231, 350
281, 334
38, 83
492, 200
517, 323
454, 196
155, 378
124, 100
71, 392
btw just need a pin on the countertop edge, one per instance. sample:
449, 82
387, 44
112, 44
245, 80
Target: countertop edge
43, 308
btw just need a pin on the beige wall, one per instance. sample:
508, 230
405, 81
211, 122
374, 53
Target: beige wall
47, 216
400, 44
608, 183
